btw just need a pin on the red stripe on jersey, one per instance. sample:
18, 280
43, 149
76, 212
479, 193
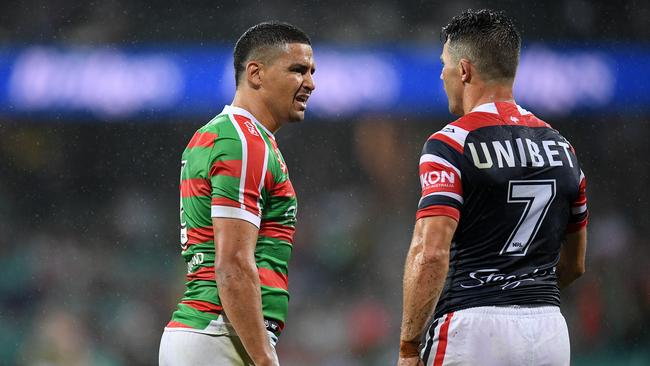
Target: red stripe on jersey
271, 278
438, 210
580, 201
284, 189
506, 110
532, 121
449, 141
200, 235
203, 274
476, 120
267, 277
509, 113
175, 324
195, 187
269, 180
231, 168
223, 201
442, 342
204, 306
202, 139
256, 148
572, 227
277, 231
582, 194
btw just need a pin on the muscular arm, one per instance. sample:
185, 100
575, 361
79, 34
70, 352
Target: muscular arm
572, 258
239, 285
425, 272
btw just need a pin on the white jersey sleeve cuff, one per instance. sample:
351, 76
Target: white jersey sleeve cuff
235, 213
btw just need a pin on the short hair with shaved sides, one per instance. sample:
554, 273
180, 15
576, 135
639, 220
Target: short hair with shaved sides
488, 39
255, 43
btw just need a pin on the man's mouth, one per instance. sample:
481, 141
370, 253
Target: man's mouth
302, 100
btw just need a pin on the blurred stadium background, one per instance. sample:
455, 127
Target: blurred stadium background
98, 99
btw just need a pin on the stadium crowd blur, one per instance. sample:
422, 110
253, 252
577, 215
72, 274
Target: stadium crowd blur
89, 250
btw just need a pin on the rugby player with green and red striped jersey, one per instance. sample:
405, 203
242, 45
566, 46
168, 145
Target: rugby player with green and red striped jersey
238, 209
232, 168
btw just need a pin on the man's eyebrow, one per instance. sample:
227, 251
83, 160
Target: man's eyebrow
298, 65
302, 66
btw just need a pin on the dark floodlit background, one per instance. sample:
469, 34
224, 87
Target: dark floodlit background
98, 99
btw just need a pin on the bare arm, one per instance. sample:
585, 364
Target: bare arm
239, 285
572, 258
425, 272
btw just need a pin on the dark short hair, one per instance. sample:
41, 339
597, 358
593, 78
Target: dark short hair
488, 39
264, 35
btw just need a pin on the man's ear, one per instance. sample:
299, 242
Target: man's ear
465, 69
254, 71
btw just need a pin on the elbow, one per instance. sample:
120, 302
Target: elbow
231, 267
435, 256
572, 273
579, 271
431, 251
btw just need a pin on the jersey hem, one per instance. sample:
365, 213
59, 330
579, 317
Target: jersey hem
512, 304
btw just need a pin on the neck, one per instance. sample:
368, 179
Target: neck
251, 102
482, 93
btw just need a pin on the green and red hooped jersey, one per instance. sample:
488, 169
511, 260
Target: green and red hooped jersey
232, 167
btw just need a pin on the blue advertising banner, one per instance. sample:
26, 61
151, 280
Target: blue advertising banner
106, 83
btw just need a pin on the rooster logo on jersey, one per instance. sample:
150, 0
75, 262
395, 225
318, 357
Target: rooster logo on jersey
251, 128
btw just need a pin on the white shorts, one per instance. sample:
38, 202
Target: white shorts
500, 336
184, 346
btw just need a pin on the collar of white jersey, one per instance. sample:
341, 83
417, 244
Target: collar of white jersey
231, 109
492, 108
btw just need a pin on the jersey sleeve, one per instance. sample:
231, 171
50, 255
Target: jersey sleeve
440, 179
238, 168
579, 213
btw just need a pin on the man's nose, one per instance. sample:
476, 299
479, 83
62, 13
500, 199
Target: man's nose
309, 82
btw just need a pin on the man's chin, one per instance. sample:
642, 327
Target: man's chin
455, 111
297, 116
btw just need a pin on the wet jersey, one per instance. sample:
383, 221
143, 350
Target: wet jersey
515, 187
232, 168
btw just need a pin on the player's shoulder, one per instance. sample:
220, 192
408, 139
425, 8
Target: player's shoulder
206, 135
452, 135
532, 120
461, 127
232, 125
536, 122
219, 124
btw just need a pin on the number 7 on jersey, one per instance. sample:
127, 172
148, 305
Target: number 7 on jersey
537, 195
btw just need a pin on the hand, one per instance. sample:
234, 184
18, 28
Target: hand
270, 359
410, 361
268, 362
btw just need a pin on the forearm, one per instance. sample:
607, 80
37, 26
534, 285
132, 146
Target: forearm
572, 258
424, 278
239, 291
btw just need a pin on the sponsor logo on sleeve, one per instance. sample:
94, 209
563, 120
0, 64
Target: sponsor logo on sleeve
437, 178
